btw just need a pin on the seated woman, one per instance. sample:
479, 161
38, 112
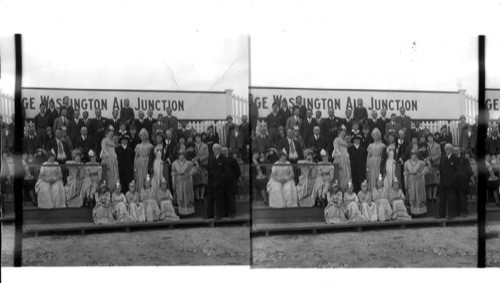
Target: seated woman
352, 205
164, 199
324, 176
148, 199
306, 180
92, 177
119, 205
135, 207
74, 183
49, 187
334, 212
397, 198
281, 185
368, 207
380, 196
102, 213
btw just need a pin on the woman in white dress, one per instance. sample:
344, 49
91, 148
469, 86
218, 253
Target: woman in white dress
147, 196
368, 207
335, 211
390, 167
281, 185
164, 199
135, 206
73, 188
92, 178
156, 160
397, 198
351, 203
306, 180
108, 158
49, 187
119, 205
341, 158
325, 172
374, 158
380, 196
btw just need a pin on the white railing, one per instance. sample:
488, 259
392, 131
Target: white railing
7, 107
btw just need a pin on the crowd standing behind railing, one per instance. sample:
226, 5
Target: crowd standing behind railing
357, 148
174, 156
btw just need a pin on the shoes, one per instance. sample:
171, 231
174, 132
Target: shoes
266, 203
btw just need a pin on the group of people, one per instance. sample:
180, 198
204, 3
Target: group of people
73, 153
308, 153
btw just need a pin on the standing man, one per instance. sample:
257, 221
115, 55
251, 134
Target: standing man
449, 171
171, 121
115, 121
330, 126
74, 126
159, 125
372, 122
52, 111
125, 156
140, 122
403, 120
183, 132
236, 140
245, 132
285, 112
465, 177
31, 142
61, 121
360, 112
254, 113
69, 108
317, 143
127, 113
212, 138
85, 119
347, 122
319, 119
262, 142
97, 130
392, 126
231, 186
150, 121
302, 108
42, 121
274, 121
294, 120
357, 156
307, 126
382, 121
217, 173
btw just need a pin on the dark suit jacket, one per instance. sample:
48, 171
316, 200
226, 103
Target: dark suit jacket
318, 144
141, 125
261, 144
86, 145
273, 122
329, 128
171, 122
285, 114
449, 170
404, 122
69, 111
53, 114
116, 125
347, 124
306, 129
360, 114
233, 175
149, 125
236, 142
74, 129
31, 144
52, 146
185, 133
283, 144
168, 151
389, 126
127, 114
218, 170
493, 146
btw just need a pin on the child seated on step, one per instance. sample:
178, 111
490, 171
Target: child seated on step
92, 177
380, 196
102, 213
135, 207
164, 199
352, 205
368, 208
397, 198
119, 205
334, 212
147, 196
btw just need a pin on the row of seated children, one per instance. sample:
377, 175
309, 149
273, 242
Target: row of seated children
149, 204
379, 204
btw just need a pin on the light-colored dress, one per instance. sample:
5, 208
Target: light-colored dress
335, 211
281, 186
92, 177
341, 157
390, 167
151, 209
434, 156
73, 188
415, 185
373, 160
108, 157
306, 182
102, 213
120, 211
381, 199
352, 208
135, 207
141, 162
50, 195
399, 211
368, 207
164, 199
182, 180
324, 177
157, 167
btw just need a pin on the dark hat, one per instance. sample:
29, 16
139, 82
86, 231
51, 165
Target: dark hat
127, 137
356, 137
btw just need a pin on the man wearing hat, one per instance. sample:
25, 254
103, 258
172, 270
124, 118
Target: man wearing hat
125, 157
357, 155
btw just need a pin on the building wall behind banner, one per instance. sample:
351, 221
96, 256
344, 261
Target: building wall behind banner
421, 105
196, 105
493, 103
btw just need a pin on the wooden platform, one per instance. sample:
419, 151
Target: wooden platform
83, 227
266, 229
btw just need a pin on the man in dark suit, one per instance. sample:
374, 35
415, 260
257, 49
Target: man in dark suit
42, 121
212, 138
218, 169
348, 120
115, 121
140, 122
382, 121
302, 108
393, 126
69, 109
245, 132
232, 178
330, 126
97, 129
372, 122
59, 147
134, 136
403, 119
159, 125
31, 142
292, 147
357, 156
360, 112
274, 120
85, 118
493, 143
183, 132
74, 126
52, 111
125, 156
449, 170
285, 112
127, 113
150, 121
85, 143
262, 142
170, 120
307, 126
317, 143
465, 177
366, 137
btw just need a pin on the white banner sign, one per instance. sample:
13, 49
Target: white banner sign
424, 105
493, 103
196, 105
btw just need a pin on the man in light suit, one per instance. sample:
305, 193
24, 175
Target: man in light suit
61, 121
307, 126
293, 120
404, 120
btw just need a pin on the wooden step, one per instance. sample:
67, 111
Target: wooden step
492, 212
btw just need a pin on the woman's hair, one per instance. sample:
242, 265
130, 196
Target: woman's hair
75, 153
429, 135
181, 152
143, 132
376, 133
197, 135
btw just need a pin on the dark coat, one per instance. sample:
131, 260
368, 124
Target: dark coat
329, 128
125, 158
52, 146
171, 122
74, 129
306, 129
360, 114
30, 144
127, 115
283, 144
285, 114
493, 146
357, 157
141, 125
217, 172
85, 146
449, 170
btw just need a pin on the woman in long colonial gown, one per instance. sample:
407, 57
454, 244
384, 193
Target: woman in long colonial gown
306, 180
434, 158
164, 199
391, 168
49, 187
147, 196
91, 177
73, 188
119, 205
374, 158
182, 180
397, 198
351, 203
108, 158
135, 206
341, 157
141, 161
414, 172
181, 145
200, 179
325, 172
368, 207
380, 195
335, 211
156, 161
102, 213
281, 185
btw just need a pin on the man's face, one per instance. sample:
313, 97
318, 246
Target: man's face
383, 112
83, 131
51, 104
401, 134
244, 119
393, 118
169, 111
63, 112
402, 111
98, 113
299, 100
133, 131
316, 130
448, 150
42, 108
76, 114
374, 114
296, 112
64, 133
184, 124
216, 150
65, 101
309, 114
284, 104
289, 133
85, 114
318, 114
331, 112
357, 141
360, 102
115, 114
225, 151
348, 114
127, 103
169, 134
150, 113
456, 151
141, 115
160, 118
58, 134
